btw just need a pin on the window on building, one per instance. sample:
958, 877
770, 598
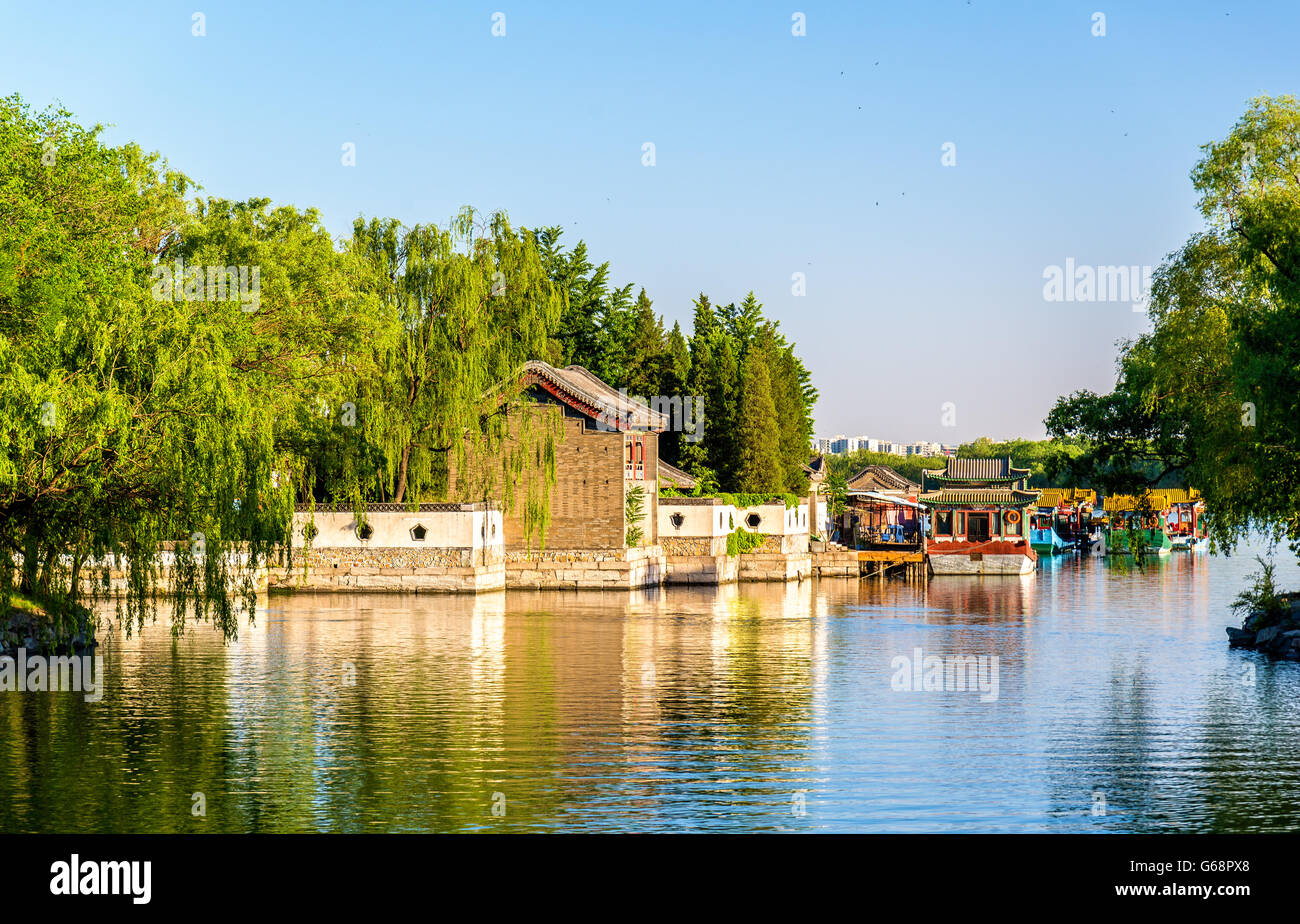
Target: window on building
634, 456
943, 523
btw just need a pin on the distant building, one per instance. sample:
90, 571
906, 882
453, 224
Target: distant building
924, 449
839, 445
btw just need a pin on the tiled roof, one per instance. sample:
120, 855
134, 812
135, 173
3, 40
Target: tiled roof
964, 497
587, 394
980, 470
1160, 499
815, 468
880, 478
675, 476
1053, 497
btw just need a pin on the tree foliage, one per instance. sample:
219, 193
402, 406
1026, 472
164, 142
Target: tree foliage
622, 340
175, 375
1210, 397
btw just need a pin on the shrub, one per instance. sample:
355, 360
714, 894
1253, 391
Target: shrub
742, 541
1262, 605
633, 511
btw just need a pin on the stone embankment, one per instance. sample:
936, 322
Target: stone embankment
29, 627
1281, 639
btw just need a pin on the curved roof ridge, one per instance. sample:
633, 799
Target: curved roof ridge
597, 395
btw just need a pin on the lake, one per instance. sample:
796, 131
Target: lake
1117, 707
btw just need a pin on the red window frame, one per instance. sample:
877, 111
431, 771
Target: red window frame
634, 456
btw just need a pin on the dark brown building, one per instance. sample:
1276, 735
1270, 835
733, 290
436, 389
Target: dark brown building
607, 445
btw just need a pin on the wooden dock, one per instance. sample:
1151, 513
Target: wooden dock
879, 563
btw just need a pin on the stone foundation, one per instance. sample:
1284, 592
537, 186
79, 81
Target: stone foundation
701, 569
679, 546
421, 570
585, 569
92, 580
774, 566
835, 564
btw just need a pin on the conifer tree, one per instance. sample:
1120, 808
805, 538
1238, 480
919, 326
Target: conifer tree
675, 369
582, 288
645, 350
758, 436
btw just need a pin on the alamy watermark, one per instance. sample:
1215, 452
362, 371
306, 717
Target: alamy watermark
76, 876
1073, 283
209, 284
951, 674
684, 414
62, 673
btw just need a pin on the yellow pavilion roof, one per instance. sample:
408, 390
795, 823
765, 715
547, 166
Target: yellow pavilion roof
1159, 499
1054, 497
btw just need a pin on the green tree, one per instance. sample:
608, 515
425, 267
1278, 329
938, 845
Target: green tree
758, 451
127, 418
473, 303
645, 350
1211, 396
582, 288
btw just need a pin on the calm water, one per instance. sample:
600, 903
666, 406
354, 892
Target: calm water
734, 709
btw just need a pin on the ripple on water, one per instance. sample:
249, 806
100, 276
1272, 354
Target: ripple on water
1119, 707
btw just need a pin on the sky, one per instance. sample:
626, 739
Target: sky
922, 164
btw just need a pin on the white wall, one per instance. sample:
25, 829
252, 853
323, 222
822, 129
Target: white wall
456, 529
775, 519
698, 520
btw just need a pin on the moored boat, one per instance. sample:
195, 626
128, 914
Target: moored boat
1185, 520
979, 518
1188, 543
1071, 512
1143, 521
1043, 537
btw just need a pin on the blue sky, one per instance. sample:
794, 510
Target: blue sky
774, 154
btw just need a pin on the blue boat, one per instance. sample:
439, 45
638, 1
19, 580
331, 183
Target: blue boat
1043, 537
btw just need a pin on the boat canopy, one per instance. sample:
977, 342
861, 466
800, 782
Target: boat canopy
885, 498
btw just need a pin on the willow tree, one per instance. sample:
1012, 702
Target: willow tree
124, 421
1211, 396
303, 341
472, 303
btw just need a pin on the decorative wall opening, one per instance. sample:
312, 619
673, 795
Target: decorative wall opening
365, 531
677, 520
418, 532
753, 520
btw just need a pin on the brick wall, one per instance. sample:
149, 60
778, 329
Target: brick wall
587, 497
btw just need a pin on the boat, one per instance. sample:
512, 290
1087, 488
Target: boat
1063, 522
1043, 537
1185, 522
1151, 540
979, 518
1144, 520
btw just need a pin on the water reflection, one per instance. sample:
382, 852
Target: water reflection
758, 707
